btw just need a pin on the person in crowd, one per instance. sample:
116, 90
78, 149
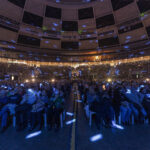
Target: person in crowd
116, 102
23, 109
91, 96
55, 108
3, 110
146, 101
108, 110
14, 98
124, 107
37, 112
95, 105
44, 97
136, 104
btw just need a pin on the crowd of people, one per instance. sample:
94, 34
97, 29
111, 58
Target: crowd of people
28, 102
110, 100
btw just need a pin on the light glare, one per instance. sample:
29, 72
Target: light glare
96, 137
79, 101
71, 121
69, 114
33, 134
117, 126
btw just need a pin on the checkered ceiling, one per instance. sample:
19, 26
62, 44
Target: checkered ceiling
98, 27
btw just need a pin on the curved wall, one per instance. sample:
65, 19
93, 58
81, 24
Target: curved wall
100, 25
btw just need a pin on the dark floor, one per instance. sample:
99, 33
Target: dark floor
135, 137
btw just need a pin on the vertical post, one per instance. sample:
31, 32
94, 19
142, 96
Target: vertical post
45, 120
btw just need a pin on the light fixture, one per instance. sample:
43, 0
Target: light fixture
12, 78
26, 80
96, 57
109, 80
104, 87
147, 79
33, 80
53, 80
75, 64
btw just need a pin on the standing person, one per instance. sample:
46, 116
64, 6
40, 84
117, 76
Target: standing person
124, 107
108, 110
95, 105
146, 105
36, 114
91, 96
55, 108
24, 108
117, 102
143, 112
136, 105
3, 110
